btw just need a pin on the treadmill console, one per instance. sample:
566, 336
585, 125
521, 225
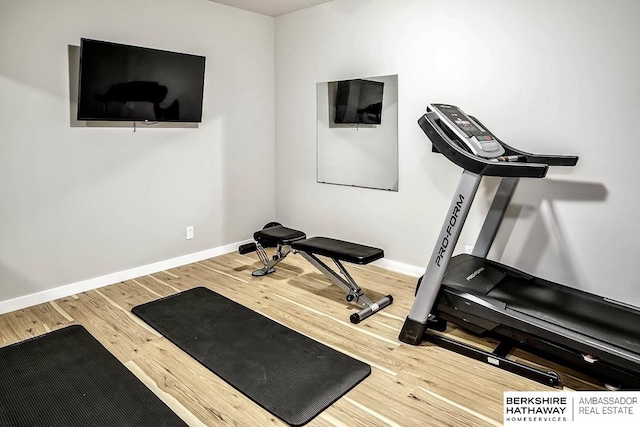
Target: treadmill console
477, 139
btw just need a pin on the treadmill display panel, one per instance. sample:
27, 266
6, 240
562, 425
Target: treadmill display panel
477, 140
463, 122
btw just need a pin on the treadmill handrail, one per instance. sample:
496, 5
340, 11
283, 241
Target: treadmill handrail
549, 159
533, 166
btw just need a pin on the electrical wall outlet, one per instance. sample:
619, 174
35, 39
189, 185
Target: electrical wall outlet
190, 232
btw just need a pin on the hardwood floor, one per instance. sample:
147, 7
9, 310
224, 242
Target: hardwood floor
409, 385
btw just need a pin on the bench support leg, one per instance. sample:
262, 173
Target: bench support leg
346, 283
269, 263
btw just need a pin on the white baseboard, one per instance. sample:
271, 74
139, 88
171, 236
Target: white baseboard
108, 279
398, 267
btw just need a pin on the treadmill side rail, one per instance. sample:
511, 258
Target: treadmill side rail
496, 359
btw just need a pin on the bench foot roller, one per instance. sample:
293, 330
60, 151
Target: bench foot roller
370, 309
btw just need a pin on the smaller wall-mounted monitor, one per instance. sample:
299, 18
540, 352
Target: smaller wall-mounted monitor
359, 102
122, 82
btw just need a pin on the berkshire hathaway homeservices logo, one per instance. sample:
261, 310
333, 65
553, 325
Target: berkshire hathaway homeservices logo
579, 408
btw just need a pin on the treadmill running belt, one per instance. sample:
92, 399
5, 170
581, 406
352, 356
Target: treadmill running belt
285, 372
593, 317
66, 378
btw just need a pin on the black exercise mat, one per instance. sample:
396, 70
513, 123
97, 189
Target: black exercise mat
66, 378
290, 375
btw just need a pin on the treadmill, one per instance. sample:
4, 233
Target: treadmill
591, 334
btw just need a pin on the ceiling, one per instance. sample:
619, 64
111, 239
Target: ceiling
271, 7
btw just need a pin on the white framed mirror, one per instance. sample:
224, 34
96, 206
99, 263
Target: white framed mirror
357, 138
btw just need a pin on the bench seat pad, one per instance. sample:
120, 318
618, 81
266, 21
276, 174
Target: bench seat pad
338, 249
278, 235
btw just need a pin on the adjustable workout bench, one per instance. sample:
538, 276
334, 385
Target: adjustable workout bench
287, 240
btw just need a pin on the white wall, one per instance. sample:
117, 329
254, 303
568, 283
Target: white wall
78, 203
547, 76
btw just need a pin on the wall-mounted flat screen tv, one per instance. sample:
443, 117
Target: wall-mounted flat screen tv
122, 82
359, 102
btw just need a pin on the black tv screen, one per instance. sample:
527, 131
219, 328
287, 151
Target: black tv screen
359, 102
122, 82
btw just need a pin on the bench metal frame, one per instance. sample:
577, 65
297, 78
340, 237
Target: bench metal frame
346, 283
270, 262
